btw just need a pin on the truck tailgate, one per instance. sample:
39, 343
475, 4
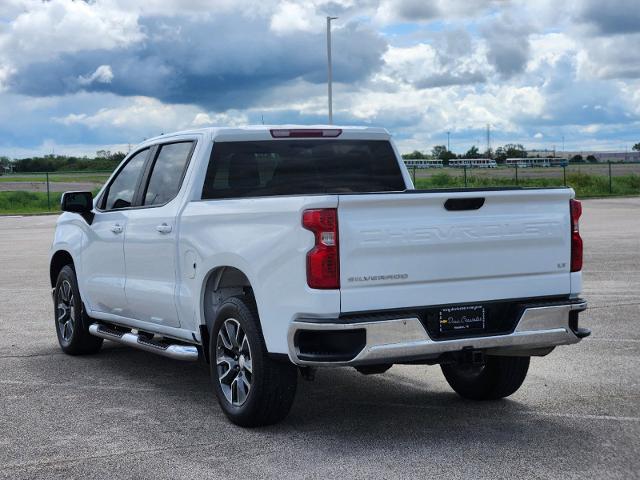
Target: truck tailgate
406, 249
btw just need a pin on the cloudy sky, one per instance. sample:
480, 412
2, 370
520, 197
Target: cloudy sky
76, 76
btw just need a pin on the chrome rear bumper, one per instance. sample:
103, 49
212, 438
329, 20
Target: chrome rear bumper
405, 339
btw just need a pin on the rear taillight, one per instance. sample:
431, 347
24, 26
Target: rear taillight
576, 241
323, 260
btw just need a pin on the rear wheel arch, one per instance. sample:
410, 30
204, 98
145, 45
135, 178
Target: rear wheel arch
220, 284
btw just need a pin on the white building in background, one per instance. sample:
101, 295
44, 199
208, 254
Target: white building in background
536, 162
631, 156
610, 156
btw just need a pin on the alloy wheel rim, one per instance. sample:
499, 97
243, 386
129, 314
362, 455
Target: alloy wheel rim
65, 311
233, 360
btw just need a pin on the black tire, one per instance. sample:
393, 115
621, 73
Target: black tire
499, 377
71, 321
272, 383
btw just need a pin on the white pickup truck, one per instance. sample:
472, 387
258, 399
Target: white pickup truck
270, 251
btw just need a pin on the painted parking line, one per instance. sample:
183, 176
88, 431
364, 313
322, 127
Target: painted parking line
579, 416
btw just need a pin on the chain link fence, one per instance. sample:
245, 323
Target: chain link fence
587, 179
40, 192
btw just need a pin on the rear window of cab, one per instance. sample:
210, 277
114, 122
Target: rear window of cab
301, 167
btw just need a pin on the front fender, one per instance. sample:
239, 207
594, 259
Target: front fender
70, 236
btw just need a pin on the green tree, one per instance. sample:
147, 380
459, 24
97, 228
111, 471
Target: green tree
577, 159
592, 159
515, 150
636, 147
117, 157
500, 155
441, 152
5, 165
415, 155
473, 152
53, 163
438, 151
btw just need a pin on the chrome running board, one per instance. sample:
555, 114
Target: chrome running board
177, 352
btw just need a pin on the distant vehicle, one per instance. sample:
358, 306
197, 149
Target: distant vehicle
473, 163
423, 163
559, 162
533, 162
270, 251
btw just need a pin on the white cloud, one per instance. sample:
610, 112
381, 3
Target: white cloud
148, 117
617, 56
45, 29
291, 16
435, 75
5, 73
413, 62
224, 119
102, 74
389, 11
143, 114
549, 48
424, 66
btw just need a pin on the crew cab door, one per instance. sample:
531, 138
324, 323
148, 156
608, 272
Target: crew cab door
103, 268
150, 241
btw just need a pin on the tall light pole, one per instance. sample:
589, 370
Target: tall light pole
329, 70
448, 144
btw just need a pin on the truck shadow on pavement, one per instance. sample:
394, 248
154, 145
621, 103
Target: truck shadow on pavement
404, 405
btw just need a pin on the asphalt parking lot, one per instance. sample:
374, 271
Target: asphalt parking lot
124, 413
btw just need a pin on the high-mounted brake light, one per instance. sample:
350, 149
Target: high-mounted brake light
305, 133
575, 208
323, 260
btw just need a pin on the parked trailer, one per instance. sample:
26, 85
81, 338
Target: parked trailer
473, 163
423, 163
536, 162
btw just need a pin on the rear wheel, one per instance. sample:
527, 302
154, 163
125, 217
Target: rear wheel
497, 378
72, 322
252, 388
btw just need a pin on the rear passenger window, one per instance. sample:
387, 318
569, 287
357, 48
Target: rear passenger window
167, 173
300, 167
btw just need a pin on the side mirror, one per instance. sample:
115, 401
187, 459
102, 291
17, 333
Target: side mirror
77, 202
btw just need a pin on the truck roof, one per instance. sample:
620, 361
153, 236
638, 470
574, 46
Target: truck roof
263, 132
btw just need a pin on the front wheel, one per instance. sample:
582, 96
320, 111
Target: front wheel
497, 378
252, 388
72, 322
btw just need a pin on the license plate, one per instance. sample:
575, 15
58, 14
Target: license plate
459, 319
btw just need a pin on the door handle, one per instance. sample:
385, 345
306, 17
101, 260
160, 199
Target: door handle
164, 228
116, 228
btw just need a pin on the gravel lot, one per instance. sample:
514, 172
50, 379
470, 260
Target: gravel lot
129, 414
